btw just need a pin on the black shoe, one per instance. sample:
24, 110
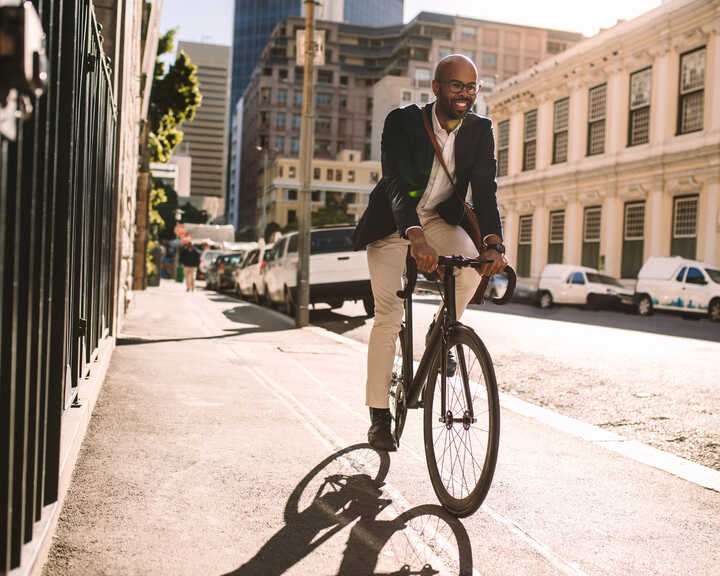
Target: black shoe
451, 363
379, 436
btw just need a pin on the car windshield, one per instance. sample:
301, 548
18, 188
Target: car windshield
602, 279
327, 241
210, 254
714, 274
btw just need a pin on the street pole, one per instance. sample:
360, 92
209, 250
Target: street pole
302, 315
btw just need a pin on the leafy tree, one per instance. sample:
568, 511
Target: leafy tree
193, 215
174, 98
270, 229
334, 211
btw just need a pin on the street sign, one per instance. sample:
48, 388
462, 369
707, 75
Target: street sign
319, 36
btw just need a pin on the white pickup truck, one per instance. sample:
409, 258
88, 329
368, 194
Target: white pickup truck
337, 273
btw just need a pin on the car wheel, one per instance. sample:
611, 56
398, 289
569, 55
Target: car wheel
256, 296
591, 303
289, 303
266, 298
544, 300
644, 305
369, 305
714, 310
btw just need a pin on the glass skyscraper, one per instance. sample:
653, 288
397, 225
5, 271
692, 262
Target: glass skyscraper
255, 20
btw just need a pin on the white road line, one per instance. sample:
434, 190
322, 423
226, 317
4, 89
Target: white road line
632, 449
565, 566
333, 442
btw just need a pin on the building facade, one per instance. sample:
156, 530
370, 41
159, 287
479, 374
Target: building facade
205, 137
610, 152
357, 57
347, 180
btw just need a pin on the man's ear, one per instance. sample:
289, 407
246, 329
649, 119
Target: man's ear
436, 88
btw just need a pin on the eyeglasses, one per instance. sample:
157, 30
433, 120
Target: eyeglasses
456, 86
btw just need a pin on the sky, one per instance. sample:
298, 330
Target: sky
211, 20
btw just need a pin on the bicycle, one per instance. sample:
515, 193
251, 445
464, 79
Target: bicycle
465, 413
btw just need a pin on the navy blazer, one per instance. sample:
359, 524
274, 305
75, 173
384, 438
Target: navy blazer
407, 159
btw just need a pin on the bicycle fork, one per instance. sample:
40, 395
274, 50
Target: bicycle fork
448, 316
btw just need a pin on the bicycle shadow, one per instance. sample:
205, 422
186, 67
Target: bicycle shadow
347, 489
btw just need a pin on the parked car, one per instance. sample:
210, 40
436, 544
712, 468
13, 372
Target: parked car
220, 272
498, 283
567, 284
226, 269
250, 278
677, 284
206, 259
212, 280
337, 273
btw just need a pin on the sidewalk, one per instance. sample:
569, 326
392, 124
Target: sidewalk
225, 441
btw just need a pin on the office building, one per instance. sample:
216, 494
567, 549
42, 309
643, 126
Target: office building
345, 179
609, 153
206, 135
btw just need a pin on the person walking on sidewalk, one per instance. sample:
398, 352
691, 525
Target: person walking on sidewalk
190, 259
416, 204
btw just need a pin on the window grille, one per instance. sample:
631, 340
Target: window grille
685, 217
560, 130
596, 119
692, 90
640, 90
503, 147
591, 232
635, 221
529, 145
525, 236
557, 227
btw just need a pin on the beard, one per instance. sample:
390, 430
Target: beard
453, 110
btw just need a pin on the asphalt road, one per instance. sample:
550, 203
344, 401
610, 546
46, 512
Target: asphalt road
652, 379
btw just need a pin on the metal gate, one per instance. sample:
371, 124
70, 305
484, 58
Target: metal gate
57, 229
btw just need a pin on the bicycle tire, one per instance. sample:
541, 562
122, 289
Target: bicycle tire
398, 387
459, 491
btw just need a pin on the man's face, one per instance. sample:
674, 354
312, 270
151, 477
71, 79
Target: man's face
455, 105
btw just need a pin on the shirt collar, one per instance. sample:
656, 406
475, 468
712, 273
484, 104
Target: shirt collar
436, 123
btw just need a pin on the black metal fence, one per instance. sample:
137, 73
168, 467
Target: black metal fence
57, 229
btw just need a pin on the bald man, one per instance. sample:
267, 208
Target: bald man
415, 205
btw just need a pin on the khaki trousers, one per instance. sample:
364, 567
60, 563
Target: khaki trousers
386, 261
189, 278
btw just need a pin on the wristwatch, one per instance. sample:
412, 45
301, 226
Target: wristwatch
497, 246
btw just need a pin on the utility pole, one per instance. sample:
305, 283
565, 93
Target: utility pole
302, 315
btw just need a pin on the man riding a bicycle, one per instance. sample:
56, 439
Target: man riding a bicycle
418, 203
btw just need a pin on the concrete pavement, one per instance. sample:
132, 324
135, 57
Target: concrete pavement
226, 442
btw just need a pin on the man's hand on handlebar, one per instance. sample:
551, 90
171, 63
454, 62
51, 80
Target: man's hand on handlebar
498, 263
424, 254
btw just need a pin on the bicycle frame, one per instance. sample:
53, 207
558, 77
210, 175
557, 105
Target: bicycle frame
441, 330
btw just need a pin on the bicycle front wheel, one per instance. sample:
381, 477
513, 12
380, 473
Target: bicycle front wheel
461, 444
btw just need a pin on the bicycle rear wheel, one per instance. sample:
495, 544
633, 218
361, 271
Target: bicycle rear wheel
460, 449
398, 386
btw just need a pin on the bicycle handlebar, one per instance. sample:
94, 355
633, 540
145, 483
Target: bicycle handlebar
462, 262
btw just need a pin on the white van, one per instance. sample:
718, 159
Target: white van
567, 284
678, 284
